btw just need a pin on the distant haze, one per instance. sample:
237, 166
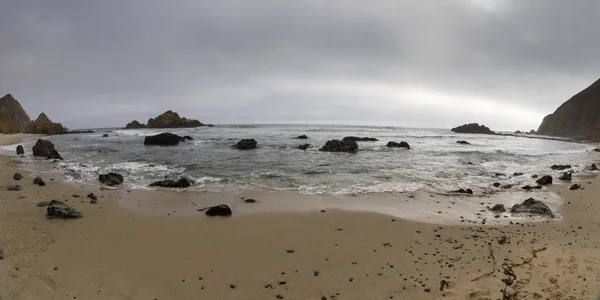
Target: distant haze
435, 63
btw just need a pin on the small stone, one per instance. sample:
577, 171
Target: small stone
39, 181
17, 176
13, 188
250, 201
279, 297
42, 204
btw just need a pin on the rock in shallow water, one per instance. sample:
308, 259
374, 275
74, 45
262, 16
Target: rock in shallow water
44, 148
17, 176
246, 144
560, 167
20, 150
360, 139
532, 206
544, 180
219, 210
340, 146
302, 137
463, 143
163, 139
181, 183
398, 145
566, 176
58, 209
304, 147
111, 179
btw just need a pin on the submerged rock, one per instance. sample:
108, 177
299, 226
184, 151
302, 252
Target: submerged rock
163, 139
593, 167
340, 146
575, 187
181, 183
246, 144
20, 150
560, 167
398, 145
463, 191
532, 206
463, 142
219, 210
44, 148
360, 139
58, 209
473, 128
111, 179
517, 174
304, 147
302, 137
566, 176
39, 181
544, 180
496, 184
498, 208
17, 176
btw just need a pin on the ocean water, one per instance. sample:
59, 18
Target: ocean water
435, 164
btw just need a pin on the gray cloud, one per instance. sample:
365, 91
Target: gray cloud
431, 63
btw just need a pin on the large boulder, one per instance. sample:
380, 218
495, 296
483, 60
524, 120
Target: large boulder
43, 125
20, 150
360, 139
135, 125
45, 148
340, 146
472, 128
246, 144
498, 208
163, 139
532, 206
219, 210
171, 119
544, 180
111, 179
58, 209
398, 145
181, 183
13, 117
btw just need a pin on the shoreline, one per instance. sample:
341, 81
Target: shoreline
115, 253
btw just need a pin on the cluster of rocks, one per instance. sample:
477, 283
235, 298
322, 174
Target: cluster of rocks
340, 146
529, 206
169, 119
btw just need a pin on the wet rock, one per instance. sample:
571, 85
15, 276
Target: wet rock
463, 142
163, 139
187, 138
219, 210
304, 147
360, 139
496, 184
111, 179
532, 206
250, 201
58, 209
463, 191
105, 135
39, 181
302, 137
507, 186
596, 149
13, 188
1, 258
246, 144
544, 180
517, 174
529, 187
498, 208
20, 150
593, 167
340, 146
181, 183
44, 148
566, 176
499, 175
575, 187
398, 145
17, 176
534, 176
560, 167
473, 128
42, 204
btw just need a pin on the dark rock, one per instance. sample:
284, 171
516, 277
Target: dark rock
246, 144
575, 187
171, 119
517, 174
111, 179
17, 176
43, 125
518, 132
532, 131
250, 201
566, 176
304, 147
463, 142
163, 139
498, 208
529, 188
472, 128
560, 167
499, 175
360, 139
496, 184
340, 146
44, 148
534, 176
507, 186
593, 167
135, 125
219, 210
20, 150
544, 180
78, 131
398, 145
39, 181
181, 183
532, 206
92, 196
13, 118
463, 191
13, 188
105, 135
187, 138
42, 204
302, 137
596, 149
58, 209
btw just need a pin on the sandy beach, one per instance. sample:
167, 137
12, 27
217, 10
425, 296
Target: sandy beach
119, 252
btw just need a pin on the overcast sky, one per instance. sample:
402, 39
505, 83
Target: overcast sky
434, 63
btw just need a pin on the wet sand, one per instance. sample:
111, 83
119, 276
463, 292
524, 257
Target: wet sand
124, 248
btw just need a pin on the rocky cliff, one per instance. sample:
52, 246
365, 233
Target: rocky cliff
579, 117
43, 125
13, 117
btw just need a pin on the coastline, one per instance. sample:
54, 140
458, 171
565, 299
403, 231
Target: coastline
116, 253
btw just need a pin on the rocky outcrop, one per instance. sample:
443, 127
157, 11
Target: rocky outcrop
13, 117
473, 128
181, 183
463, 142
135, 125
44, 148
246, 144
164, 139
360, 139
111, 179
340, 146
560, 167
20, 150
43, 125
398, 145
219, 210
304, 147
532, 206
576, 118
58, 209
171, 119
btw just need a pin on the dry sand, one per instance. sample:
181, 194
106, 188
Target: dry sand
119, 253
